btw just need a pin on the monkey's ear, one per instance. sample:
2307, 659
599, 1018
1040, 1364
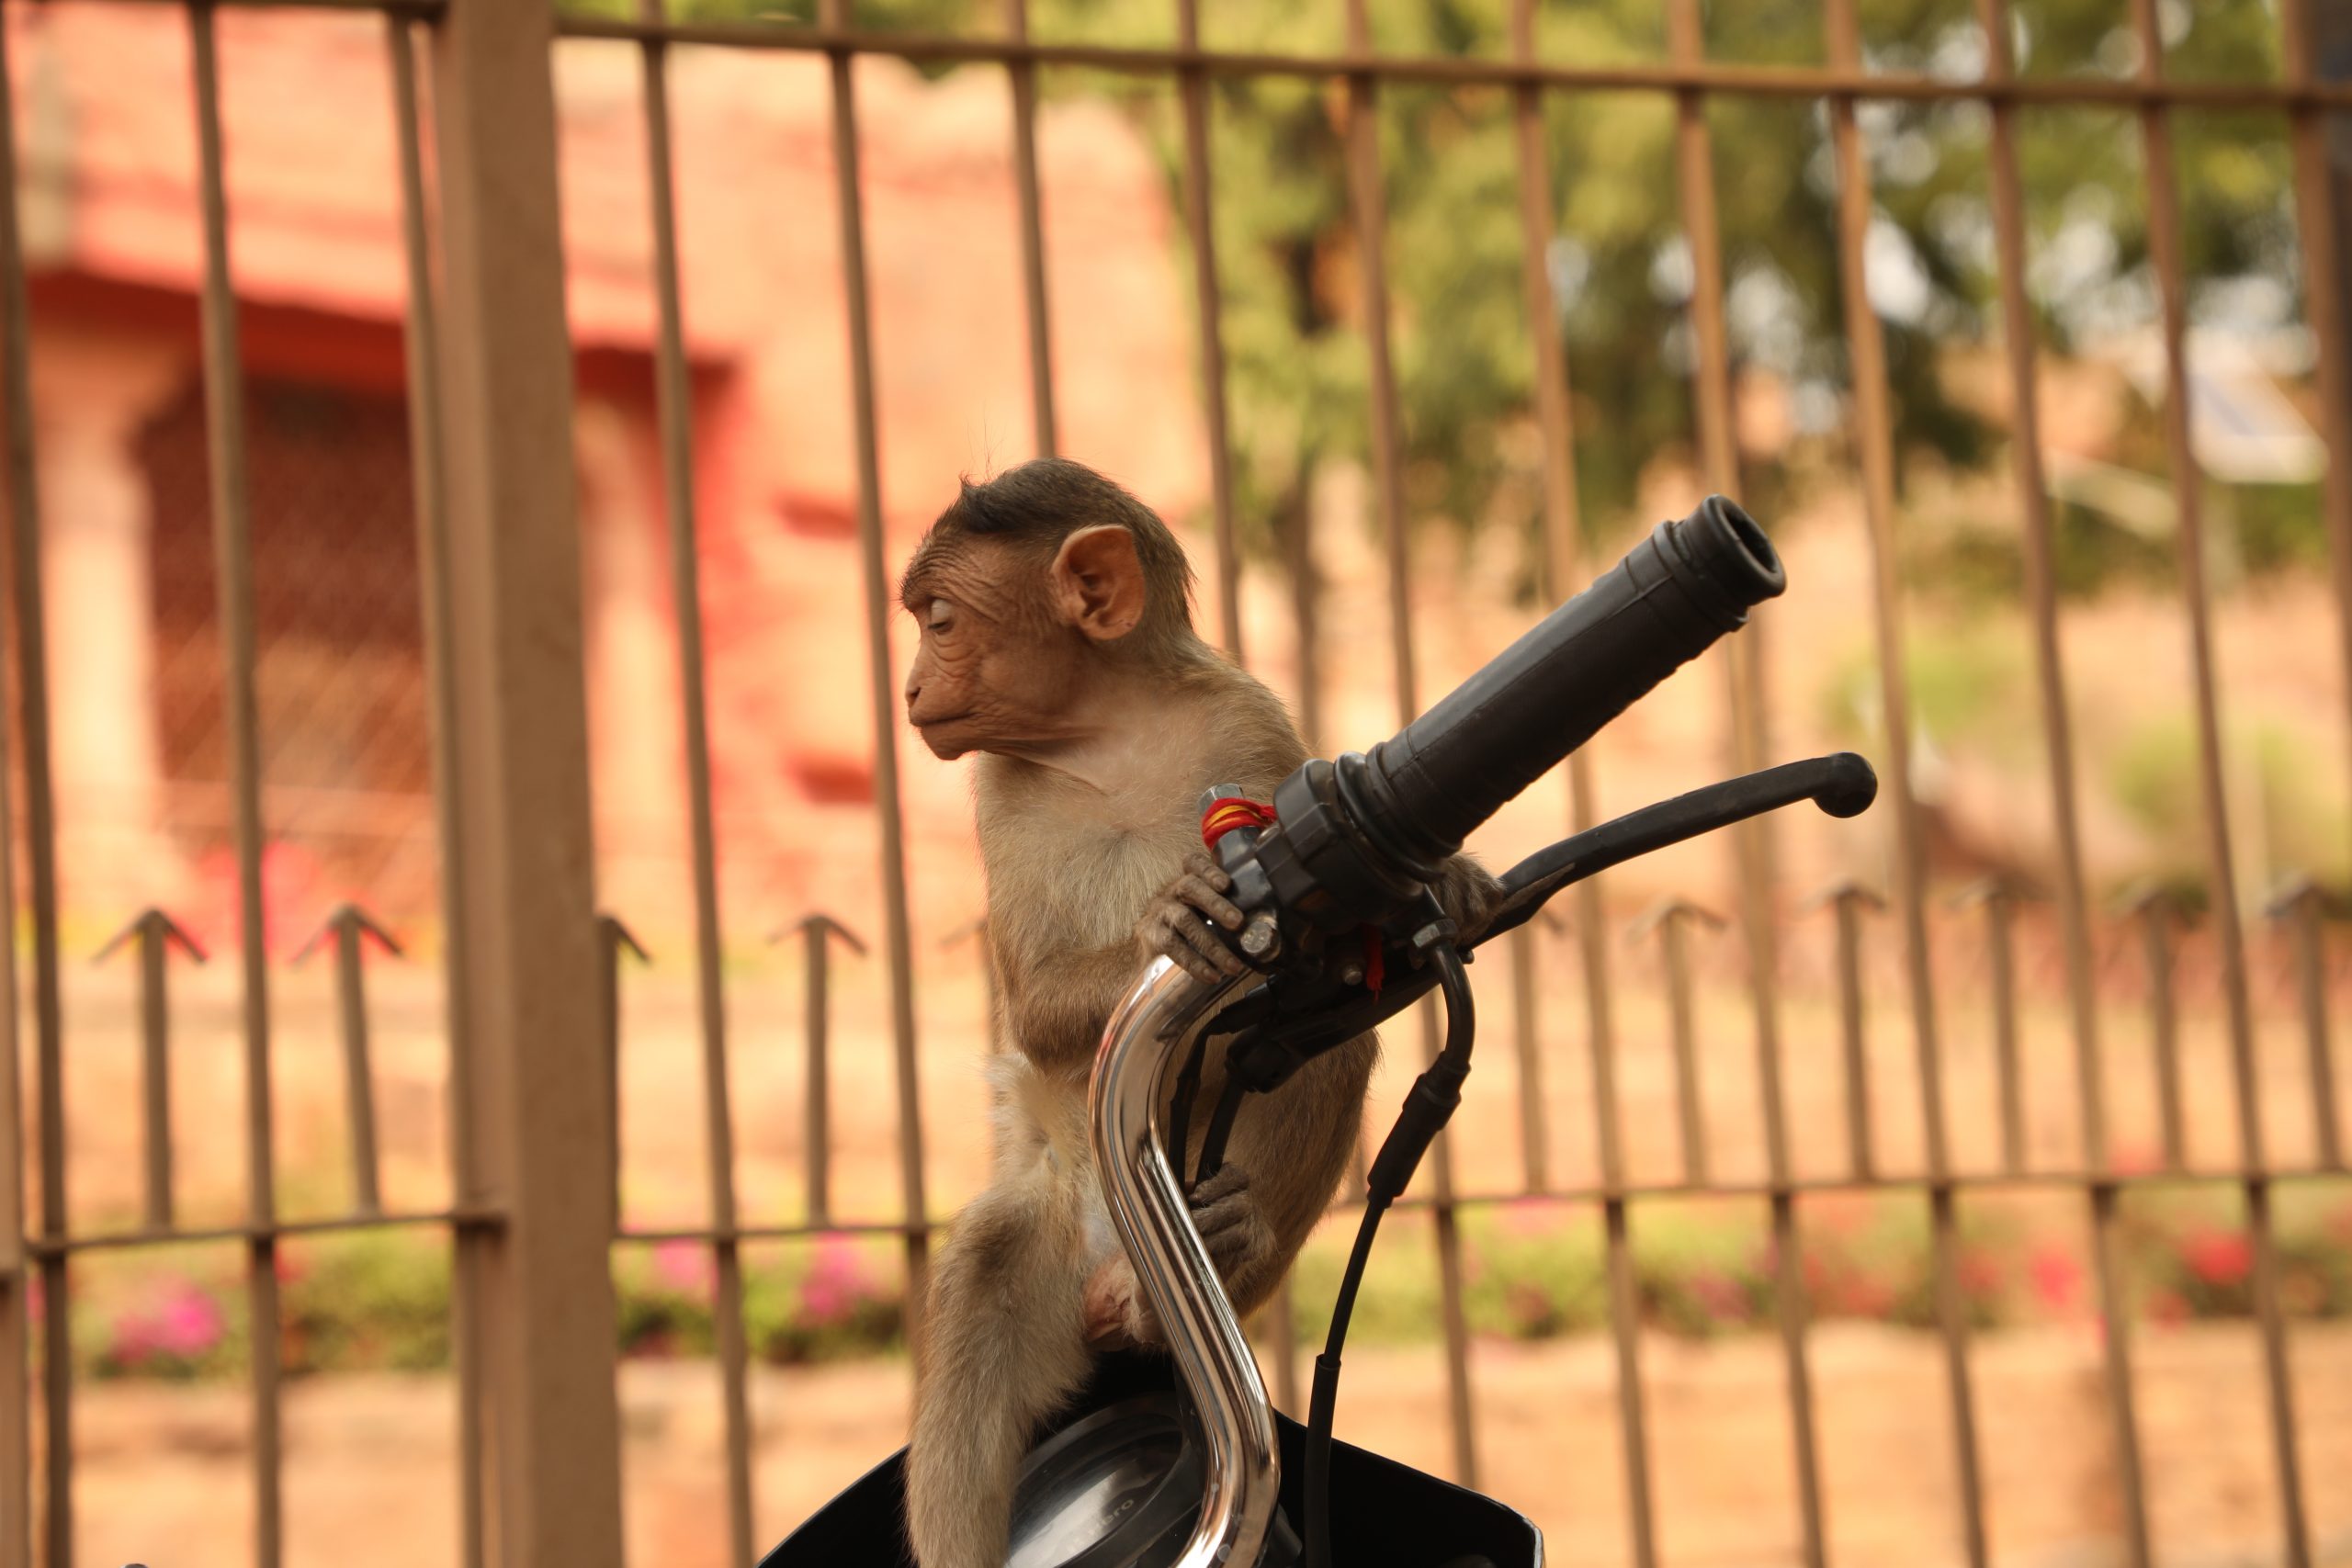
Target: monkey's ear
1096, 582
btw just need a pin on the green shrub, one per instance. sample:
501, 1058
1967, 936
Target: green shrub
369, 1300
1530, 1270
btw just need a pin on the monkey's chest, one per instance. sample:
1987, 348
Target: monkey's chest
1082, 884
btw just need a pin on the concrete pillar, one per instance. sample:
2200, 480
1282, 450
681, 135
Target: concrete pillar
634, 717
91, 396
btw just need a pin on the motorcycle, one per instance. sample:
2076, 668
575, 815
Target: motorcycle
1180, 1461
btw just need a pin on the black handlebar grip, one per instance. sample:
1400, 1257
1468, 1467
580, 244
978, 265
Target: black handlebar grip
1419, 793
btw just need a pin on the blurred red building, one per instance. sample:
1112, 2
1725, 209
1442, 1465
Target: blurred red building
108, 193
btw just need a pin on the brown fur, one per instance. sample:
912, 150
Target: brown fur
1101, 717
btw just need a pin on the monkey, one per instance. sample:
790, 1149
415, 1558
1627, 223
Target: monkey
1056, 642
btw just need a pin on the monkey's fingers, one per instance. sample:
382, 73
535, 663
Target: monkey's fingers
1230, 1181
1225, 1214
1196, 891
1176, 931
1203, 865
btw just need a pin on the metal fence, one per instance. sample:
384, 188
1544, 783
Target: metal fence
531, 965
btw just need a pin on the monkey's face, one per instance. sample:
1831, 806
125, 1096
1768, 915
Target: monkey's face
1010, 646
991, 673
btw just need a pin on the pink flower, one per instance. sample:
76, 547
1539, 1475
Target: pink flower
2219, 1258
835, 1285
2057, 1277
189, 1324
184, 1325
684, 1267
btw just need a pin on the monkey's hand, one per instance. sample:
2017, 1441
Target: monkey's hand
1176, 922
1469, 894
1232, 1228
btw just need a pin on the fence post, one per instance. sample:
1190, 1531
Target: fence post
518, 766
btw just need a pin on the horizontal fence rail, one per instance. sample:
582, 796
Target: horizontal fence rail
533, 973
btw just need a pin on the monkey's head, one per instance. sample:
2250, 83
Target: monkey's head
1030, 589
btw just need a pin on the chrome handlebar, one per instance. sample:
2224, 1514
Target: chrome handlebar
1149, 1031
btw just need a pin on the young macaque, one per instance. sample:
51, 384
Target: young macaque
1057, 643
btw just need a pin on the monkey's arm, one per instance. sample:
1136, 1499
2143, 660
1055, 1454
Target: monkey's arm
1289, 1149
1285, 1157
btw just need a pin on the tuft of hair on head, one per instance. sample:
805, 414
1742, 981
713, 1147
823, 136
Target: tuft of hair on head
1035, 506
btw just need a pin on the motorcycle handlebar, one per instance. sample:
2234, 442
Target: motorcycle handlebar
1418, 794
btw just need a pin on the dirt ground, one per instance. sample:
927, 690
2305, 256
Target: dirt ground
164, 1477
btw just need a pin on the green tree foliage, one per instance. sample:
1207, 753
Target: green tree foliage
1292, 272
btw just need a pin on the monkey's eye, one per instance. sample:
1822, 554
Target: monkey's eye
938, 616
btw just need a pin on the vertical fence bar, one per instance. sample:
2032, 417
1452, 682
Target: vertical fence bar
675, 396
1200, 220
2301, 908
2164, 251
1848, 900
1024, 75
2324, 302
816, 1124
613, 939
1297, 536
2153, 910
16, 1341
232, 532
1534, 1151
31, 673
1561, 563
1751, 841
358, 1077
1874, 434
155, 1083
834, 14
2039, 559
1282, 1329
2315, 223
1670, 920
1997, 899
518, 767
1368, 205
154, 933
817, 1097
348, 928
422, 351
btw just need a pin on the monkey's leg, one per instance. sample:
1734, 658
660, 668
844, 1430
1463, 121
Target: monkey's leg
1004, 1349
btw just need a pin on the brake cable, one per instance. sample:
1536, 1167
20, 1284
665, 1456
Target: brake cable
1428, 1108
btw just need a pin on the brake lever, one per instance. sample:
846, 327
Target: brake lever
1842, 784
